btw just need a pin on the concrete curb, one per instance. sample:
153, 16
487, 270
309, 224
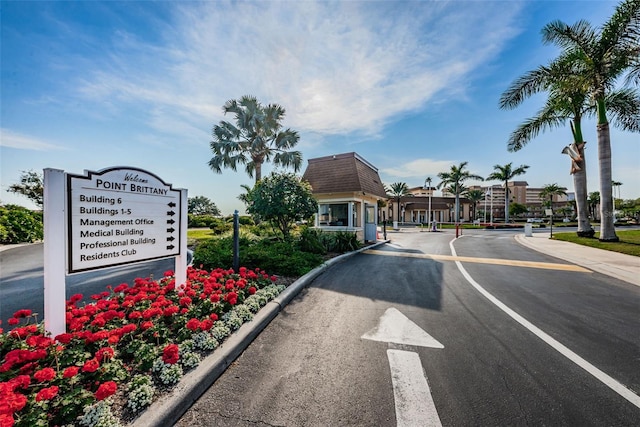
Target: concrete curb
168, 409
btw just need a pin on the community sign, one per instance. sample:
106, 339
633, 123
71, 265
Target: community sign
120, 215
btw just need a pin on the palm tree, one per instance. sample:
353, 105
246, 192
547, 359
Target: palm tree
256, 137
568, 100
600, 57
617, 185
474, 196
505, 174
397, 191
454, 180
550, 190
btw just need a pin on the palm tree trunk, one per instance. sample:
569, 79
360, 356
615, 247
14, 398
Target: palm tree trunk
258, 171
582, 211
607, 229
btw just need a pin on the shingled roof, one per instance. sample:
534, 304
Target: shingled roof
340, 173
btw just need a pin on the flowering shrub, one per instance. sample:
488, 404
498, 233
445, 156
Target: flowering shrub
128, 344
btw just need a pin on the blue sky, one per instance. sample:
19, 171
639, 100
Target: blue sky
413, 87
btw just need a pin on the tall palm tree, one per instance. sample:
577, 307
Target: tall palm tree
397, 191
505, 173
474, 196
616, 200
550, 190
601, 56
568, 100
454, 180
255, 137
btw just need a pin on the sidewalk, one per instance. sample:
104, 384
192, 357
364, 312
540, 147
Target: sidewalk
614, 264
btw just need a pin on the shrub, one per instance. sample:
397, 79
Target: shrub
201, 221
20, 225
341, 241
220, 226
281, 258
310, 241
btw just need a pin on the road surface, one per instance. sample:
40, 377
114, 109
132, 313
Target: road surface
415, 334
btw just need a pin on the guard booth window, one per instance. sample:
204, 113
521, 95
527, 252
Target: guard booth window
336, 214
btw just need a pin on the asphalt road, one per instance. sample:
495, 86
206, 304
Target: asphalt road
312, 367
22, 279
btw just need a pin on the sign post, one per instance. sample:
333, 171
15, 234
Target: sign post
115, 216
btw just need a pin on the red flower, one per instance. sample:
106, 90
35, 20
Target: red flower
206, 324
185, 301
170, 354
47, 393
113, 339
146, 325
193, 324
104, 354
46, 374
213, 316
22, 313
70, 372
214, 298
6, 420
135, 315
21, 381
11, 402
64, 338
171, 310
13, 321
105, 390
252, 290
90, 365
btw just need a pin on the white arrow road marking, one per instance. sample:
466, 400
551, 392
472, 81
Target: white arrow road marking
411, 393
395, 327
414, 404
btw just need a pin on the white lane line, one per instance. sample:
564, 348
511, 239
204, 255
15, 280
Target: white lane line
414, 404
610, 382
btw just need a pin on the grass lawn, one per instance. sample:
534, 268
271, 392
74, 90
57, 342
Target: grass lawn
195, 235
629, 241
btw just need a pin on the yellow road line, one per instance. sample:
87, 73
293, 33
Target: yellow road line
512, 263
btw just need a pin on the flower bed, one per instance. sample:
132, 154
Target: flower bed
123, 349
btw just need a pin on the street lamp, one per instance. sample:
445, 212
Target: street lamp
427, 185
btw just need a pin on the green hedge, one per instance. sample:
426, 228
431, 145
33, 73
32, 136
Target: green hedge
20, 225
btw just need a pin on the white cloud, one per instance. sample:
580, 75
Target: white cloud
337, 67
10, 139
419, 168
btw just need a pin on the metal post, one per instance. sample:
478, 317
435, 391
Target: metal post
236, 242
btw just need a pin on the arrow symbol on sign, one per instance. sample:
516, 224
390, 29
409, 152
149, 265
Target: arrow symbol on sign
171, 205
171, 213
170, 230
170, 247
170, 239
171, 221
411, 392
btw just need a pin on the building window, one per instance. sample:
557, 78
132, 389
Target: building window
334, 214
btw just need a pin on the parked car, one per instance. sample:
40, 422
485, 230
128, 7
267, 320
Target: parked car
535, 220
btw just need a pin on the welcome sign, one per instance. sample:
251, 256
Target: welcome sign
121, 215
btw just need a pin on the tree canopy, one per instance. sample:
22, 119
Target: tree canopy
31, 186
200, 205
255, 137
282, 199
